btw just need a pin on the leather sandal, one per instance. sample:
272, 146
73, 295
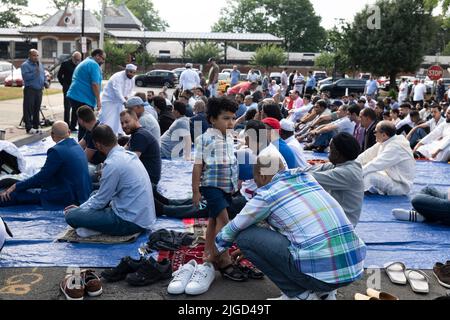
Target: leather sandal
233, 272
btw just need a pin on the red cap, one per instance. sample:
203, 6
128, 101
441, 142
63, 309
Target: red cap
273, 123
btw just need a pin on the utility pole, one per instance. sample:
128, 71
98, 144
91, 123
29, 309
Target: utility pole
102, 30
83, 39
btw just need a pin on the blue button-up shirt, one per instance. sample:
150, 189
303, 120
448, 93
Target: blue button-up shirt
126, 184
33, 74
311, 83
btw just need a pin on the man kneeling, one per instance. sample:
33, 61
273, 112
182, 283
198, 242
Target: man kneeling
124, 184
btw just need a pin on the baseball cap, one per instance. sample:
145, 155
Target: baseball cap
134, 101
287, 125
272, 122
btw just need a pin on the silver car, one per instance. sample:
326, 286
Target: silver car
5, 70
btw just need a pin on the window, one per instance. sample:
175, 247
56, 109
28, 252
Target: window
67, 48
49, 46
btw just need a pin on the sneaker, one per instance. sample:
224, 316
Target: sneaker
127, 265
327, 295
86, 233
442, 274
201, 279
181, 278
34, 131
407, 215
150, 272
307, 295
92, 283
73, 287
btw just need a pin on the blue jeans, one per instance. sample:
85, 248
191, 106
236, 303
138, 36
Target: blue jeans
418, 135
433, 205
268, 251
104, 221
22, 198
323, 140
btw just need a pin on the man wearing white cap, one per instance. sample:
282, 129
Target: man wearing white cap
287, 134
189, 79
115, 95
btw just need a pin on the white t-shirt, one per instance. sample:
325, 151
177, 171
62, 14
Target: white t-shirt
344, 125
419, 92
189, 79
432, 123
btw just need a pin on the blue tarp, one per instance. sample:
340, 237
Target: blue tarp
418, 245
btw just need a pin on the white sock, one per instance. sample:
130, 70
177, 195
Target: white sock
85, 233
408, 215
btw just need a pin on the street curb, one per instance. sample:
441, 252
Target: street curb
28, 139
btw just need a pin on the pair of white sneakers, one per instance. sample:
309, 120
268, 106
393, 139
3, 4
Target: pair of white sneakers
192, 278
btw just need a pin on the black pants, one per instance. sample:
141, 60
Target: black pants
32, 99
75, 105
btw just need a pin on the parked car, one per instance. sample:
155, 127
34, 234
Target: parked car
224, 80
226, 70
15, 79
338, 88
276, 76
446, 82
320, 75
325, 81
161, 78
179, 71
5, 70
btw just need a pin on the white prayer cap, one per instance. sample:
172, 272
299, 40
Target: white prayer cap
131, 67
287, 125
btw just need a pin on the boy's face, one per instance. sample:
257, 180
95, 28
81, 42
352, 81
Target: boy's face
225, 121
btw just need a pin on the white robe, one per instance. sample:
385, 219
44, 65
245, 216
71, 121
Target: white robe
114, 96
388, 167
439, 138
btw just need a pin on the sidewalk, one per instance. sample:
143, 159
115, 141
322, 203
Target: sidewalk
11, 113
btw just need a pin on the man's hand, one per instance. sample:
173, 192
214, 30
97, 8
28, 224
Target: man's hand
237, 256
6, 195
99, 105
196, 198
70, 208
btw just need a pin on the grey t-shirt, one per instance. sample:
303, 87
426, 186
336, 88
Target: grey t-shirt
148, 122
174, 137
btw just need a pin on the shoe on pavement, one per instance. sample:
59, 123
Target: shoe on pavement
73, 287
442, 274
150, 271
92, 283
127, 265
181, 278
307, 295
327, 295
201, 279
408, 215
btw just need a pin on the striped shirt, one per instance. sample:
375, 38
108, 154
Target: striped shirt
324, 244
220, 166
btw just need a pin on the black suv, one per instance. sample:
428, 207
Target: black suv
338, 89
157, 78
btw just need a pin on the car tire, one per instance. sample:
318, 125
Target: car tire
139, 83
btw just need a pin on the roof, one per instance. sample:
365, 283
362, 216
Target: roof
10, 32
121, 17
197, 36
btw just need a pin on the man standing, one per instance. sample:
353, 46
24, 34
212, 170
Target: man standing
311, 83
33, 76
284, 82
371, 87
213, 76
403, 91
419, 93
189, 79
86, 86
235, 75
124, 203
115, 95
65, 74
63, 180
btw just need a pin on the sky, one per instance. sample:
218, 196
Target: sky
200, 15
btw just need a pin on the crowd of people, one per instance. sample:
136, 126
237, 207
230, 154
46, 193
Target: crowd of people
249, 167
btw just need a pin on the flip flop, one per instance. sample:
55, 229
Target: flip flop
396, 272
359, 296
418, 281
380, 295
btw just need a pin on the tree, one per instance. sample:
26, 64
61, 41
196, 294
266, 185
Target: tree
446, 51
200, 52
293, 20
268, 57
325, 60
145, 11
10, 17
397, 46
431, 4
61, 4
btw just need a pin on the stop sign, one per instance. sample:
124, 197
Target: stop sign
435, 72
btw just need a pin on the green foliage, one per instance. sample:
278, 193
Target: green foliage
293, 20
268, 57
145, 11
144, 60
431, 4
398, 46
446, 51
10, 16
325, 60
61, 4
200, 52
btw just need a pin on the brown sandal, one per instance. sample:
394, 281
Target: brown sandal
233, 272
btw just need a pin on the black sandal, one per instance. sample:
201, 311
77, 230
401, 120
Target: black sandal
252, 272
233, 272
